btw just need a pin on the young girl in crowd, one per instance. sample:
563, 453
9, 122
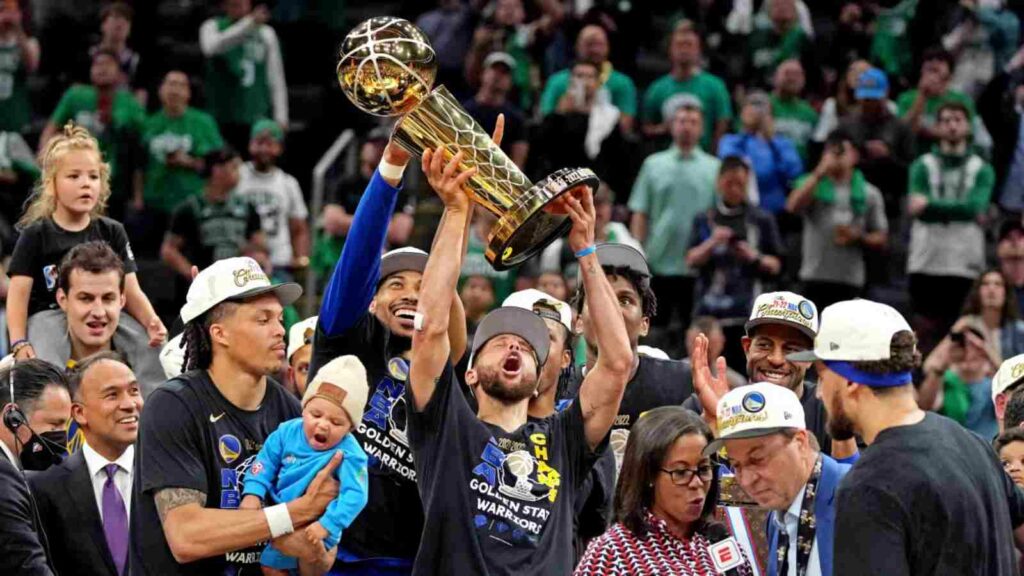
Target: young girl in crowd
66, 210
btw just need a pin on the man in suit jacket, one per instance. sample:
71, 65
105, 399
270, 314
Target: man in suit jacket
40, 404
84, 502
777, 463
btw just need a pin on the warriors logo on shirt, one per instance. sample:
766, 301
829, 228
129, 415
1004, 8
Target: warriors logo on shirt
514, 491
50, 275
384, 424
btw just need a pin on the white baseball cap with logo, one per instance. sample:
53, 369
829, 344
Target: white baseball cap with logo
756, 410
300, 334
784, 308
1011, 373
857, 331
232, 279
529, 298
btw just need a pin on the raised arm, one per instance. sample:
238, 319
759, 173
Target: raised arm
355, 277
602, 388
430, 344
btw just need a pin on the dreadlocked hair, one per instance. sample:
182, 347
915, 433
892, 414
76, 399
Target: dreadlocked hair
196, 340
640, 283
43, 201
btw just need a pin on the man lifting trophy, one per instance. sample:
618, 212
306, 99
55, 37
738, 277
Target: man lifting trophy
387, 68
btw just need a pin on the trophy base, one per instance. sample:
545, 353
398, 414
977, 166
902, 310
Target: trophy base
526, 229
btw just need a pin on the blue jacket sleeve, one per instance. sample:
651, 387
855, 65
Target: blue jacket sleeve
354, 489
352, 284
260, 479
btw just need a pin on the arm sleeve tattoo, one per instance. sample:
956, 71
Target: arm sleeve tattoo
170, 498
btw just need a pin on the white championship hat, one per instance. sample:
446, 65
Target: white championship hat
232, 279
784, 308
172, 357
300, 334
1011, 372
756, 410
530, 297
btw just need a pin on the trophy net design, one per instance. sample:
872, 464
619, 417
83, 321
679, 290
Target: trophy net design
387, 68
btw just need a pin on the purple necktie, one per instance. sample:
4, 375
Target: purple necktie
115, 519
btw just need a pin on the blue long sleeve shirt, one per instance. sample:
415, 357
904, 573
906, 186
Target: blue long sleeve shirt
287, 464
354, 281
776, 164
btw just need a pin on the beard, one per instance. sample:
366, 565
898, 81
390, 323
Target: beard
490, 382
838, 423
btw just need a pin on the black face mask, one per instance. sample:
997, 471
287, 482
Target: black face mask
44, 450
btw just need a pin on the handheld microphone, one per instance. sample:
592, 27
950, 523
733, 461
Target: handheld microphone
724, 550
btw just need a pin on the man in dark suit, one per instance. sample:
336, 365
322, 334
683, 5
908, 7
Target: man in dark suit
38, 403
776, 462
84, 502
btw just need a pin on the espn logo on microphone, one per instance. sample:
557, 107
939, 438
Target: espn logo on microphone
726, 555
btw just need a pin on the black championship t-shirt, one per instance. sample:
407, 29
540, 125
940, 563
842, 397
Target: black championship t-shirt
930, 498
192, 437
815, 416
43, 244
496, 502
214, 231
391, 523
656, 383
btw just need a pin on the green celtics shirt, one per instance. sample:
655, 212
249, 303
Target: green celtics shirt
795, 119
890, 45
15, 110
664, 94
80, 103
932, 104
214, 231
475, 264
236, 80
768, 48
194, 133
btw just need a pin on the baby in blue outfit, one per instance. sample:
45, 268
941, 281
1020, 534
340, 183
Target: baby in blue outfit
299, 448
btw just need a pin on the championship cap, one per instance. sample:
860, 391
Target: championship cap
756, 410
784, 308
615, 255
513, 320
300, 334
232, 279
871, 85
857, 331
1010, 374
529, 299
342, 382
402, 259
172, 357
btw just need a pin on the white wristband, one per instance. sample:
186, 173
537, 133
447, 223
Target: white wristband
390, 171
279, 519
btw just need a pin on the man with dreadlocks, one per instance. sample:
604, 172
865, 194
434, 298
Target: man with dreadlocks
653, 382
202, 430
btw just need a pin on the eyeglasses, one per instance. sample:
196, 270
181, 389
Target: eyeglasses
683, 476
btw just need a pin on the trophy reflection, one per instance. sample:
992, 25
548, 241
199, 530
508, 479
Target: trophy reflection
387, 68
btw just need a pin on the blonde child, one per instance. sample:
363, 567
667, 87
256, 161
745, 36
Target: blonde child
66, 210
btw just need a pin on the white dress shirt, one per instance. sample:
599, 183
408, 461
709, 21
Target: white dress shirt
122, 478
11, 456
791, 522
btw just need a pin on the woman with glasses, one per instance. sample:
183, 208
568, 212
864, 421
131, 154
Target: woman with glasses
664, 502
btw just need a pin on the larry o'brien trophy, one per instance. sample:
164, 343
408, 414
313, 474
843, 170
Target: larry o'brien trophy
387, 68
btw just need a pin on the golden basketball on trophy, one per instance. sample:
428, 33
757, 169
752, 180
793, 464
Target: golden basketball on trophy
387, 67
